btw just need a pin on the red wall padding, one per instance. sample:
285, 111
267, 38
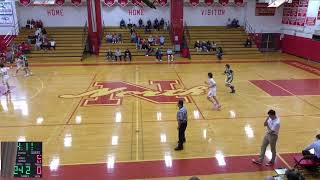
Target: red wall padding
302, 47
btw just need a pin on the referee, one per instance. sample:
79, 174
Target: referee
182, 118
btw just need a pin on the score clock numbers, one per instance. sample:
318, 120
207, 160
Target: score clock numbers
28, 160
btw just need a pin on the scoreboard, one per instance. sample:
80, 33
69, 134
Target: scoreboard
28, 162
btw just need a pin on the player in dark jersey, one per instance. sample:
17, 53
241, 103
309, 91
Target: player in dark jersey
229, 73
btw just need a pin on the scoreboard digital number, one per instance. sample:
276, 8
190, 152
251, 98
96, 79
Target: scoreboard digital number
29, 160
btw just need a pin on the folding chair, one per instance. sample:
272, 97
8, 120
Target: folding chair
307, 165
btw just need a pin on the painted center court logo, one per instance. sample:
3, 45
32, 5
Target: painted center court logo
112, 93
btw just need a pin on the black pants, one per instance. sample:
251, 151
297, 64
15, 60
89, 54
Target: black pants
309, 155
182, 137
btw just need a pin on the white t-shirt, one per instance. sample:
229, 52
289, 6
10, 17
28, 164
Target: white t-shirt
274, 125
5, 72
212, 84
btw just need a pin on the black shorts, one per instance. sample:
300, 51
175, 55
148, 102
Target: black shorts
229, 80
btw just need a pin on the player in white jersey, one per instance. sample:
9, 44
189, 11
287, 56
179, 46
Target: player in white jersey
20, 64
212, 91
4, 71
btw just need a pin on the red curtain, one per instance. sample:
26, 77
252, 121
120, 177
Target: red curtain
194, 2
223, 2
208, 2
59, 2
123, 2
162, 2
136, 2
238, 2
76, 2
25, 2
109, 2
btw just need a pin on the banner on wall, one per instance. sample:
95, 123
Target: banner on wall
136, 2
59, 2
194, 2
262, 9
162, 2
6, 8
6, 20
123, 2
311, 21
238, 2
296, 12
223, 2
109, 2
319, 14
76, 2
25, 2
208, 2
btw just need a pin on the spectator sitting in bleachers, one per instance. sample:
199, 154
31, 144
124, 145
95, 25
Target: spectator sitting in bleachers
138, 42
197, 45
119, 38
170, 54
33, 23
165, 27
133, 37
161, 23
156, 40
43, 31
114, 38
28, 25
204, 46
24, 48
140, 23
38, 32
149, 50
150, 40
45, 44
209, 46
38, 24
248, 42
161, 40
127, 54
144, 44
234, 23
158, 55
156, 24
147, 29
32, 39
109, 38
109, 55
122, 24
52, 44
149, 23
38, 43
117, 54
219, 53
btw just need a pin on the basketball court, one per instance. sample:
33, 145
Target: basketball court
84, 115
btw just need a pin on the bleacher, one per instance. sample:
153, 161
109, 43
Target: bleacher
69, 44
132, 46
230, 39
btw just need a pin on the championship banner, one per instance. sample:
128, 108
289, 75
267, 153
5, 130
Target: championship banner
123, 2
136, 2
300, 21
25, 2
59, 2
223, 2
302, 11
109, 3
303, 3
76, 2
238, 2
208, 2
194, 2
262, 9
311, 21
162, 2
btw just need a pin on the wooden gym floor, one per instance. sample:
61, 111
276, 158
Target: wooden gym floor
127, 129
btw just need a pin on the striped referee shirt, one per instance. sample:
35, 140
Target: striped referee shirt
182, 115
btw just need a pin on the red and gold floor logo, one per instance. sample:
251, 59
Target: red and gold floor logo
112, 93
